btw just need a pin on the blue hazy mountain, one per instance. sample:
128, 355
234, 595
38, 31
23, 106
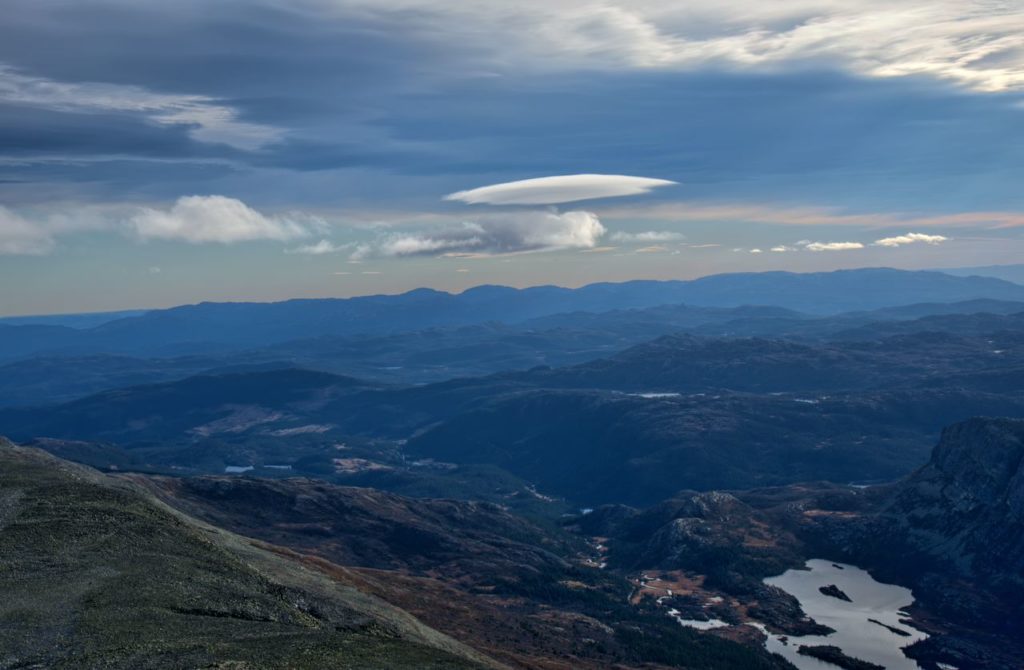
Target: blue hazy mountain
1013, 272
218, 327
83, 320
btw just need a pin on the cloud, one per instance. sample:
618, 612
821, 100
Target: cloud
619, 76
215, 218
514, 232
909, 238
35, 230
756, 251
557, 190
833, 246
978, 47
653, 249
593, 72
804, 216
647, 236
205, 119
20, 237
782, 248
320, 248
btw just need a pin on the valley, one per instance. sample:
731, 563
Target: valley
645, 487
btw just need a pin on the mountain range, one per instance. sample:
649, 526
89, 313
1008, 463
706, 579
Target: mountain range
679, 412
541, 478
216, 327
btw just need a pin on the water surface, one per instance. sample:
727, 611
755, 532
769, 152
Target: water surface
855, 633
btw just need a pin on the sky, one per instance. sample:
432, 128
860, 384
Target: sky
160, 153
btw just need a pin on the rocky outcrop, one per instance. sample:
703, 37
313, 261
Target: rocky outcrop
953, 531
364, 527
964, 511
835, 592
836, 657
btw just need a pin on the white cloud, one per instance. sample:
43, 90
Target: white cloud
833, 246
647, 236
557, 190
19, 236
320, 248
910, 238
514, 232
975, 44
781, 249
215, 218
653, 249
676, 212
35, 230
207, 119
756, 251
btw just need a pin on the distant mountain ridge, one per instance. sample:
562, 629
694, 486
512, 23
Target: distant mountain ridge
79, 320
439, 354
209, 327
1012, 272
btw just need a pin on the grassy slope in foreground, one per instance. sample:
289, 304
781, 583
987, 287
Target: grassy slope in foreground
96, 574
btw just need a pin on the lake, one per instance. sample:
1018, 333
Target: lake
855, 633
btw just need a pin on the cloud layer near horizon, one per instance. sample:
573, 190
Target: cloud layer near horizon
215, 218
833, 246
494, 234
20, 237
910, 238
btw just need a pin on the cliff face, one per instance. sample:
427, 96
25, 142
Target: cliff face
965, 509
954, 531
981, 460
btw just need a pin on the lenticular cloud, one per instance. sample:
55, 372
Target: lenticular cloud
560, 189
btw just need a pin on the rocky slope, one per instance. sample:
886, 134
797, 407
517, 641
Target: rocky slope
96, 574
103, 571
953, 531
364, 527
964, 511
498, 582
